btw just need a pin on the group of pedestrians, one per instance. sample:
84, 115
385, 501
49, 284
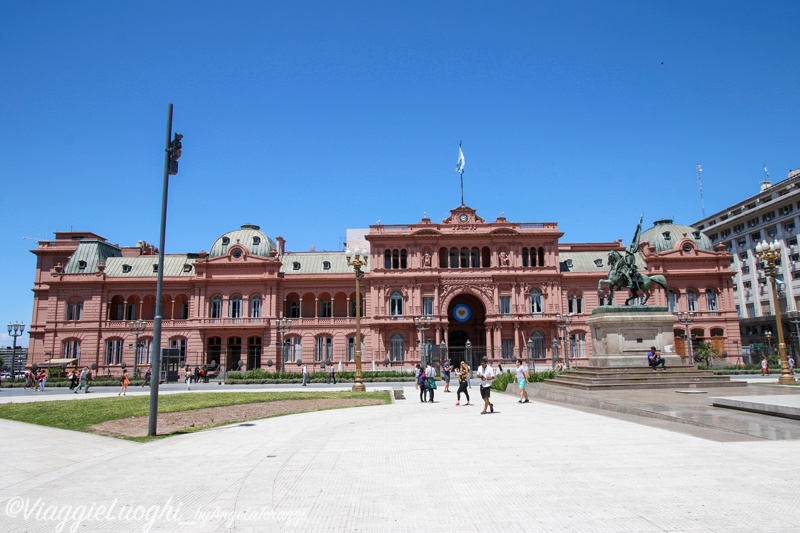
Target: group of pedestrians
80, 380
35, 380
426, 381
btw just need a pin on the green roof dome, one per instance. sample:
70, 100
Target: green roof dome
250, 236
665, 234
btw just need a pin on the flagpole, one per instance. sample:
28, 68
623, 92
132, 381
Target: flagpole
462, 176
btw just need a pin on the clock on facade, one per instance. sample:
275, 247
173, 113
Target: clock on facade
463, 218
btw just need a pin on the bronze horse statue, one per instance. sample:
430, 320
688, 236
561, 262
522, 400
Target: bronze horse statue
622, 277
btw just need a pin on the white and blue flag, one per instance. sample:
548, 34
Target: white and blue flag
460, 162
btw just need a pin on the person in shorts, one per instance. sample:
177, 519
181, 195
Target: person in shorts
522, 380
446, 375
486, 374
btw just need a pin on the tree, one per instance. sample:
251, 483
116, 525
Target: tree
705, 352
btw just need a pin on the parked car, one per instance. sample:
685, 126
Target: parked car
5, 375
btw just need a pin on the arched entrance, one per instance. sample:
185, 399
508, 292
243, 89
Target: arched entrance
466, 317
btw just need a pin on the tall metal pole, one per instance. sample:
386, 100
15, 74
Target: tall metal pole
769, 253
358, 260
156, 346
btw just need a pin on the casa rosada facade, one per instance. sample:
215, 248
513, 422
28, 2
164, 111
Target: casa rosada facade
492, 289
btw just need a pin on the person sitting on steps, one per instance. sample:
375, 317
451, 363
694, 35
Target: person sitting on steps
654, 359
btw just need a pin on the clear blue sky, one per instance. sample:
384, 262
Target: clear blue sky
311, 118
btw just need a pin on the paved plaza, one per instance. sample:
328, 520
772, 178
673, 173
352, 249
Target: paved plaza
407, 466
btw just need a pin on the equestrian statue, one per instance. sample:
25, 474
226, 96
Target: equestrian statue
625, 274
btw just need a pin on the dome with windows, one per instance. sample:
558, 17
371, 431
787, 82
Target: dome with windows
665, 234
249, 236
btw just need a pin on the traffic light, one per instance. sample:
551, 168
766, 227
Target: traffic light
175, 153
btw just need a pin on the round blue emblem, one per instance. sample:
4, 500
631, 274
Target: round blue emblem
461, 312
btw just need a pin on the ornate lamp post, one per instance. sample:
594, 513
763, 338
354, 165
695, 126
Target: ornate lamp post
686, 318
769, 253
357, 260
768, 339
423, 324
283, 327
554, 346
136, 327
564, 321
531, 360
794, 318
15, 330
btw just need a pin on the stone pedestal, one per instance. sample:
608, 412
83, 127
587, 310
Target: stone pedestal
622, 335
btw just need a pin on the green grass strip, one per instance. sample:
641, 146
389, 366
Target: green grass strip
79, 415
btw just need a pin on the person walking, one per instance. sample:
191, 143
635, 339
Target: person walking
421, 381
791, 365
124, 382
430, 381
522, 380
463, 379
486, 374
305, 375
29, 382
417, 370
147, 374
446, 375
73, 379
332, 374
83, 382
197, 374
764, 365
187, 378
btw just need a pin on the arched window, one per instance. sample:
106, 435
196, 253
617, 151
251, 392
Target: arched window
486, 255
538, 345
403, 259
72, 350
215, 311
711, 300
255, 307
575, 304
113, 351
672, 300
235, 306
396, 303
475, 257
397, 348
691, 300
464, 258
395, 259
541, 257
387, 259
442, 257
536, 303
453, 258
525, 257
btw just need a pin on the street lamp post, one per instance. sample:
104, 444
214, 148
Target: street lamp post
283, 327
794, 318
357, 260
554, 346
15, 330
136, 327
768, 338
769, 253
564, 321
423, 324
686, 318
531, 360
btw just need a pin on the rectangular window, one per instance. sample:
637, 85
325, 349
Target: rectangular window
351, 348
577, 345
751, 310
294, 309
235, 308
113, 352
575, 305
255, 307
324, 349
130, 312
505, 305
765, 309
427, 305
72, 350
325, 309
508, 348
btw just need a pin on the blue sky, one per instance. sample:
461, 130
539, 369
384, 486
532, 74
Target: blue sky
311, 118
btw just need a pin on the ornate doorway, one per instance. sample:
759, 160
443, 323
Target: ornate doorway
466, 322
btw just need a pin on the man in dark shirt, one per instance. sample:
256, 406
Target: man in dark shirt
654, 359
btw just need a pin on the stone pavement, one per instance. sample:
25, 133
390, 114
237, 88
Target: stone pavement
408, 466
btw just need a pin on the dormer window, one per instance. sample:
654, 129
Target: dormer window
295, 266
226, 240
81, 265
667, 235
187, 267
155, 267
326, 265
598, 263
568, 263
256, 241
697, 235
126, 269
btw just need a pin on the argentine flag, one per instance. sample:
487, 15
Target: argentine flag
460, 162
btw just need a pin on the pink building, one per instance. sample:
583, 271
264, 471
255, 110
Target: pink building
480, 288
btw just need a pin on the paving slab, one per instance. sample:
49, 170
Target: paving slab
778, 405
407, 466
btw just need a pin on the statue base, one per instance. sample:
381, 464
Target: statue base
622, 335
